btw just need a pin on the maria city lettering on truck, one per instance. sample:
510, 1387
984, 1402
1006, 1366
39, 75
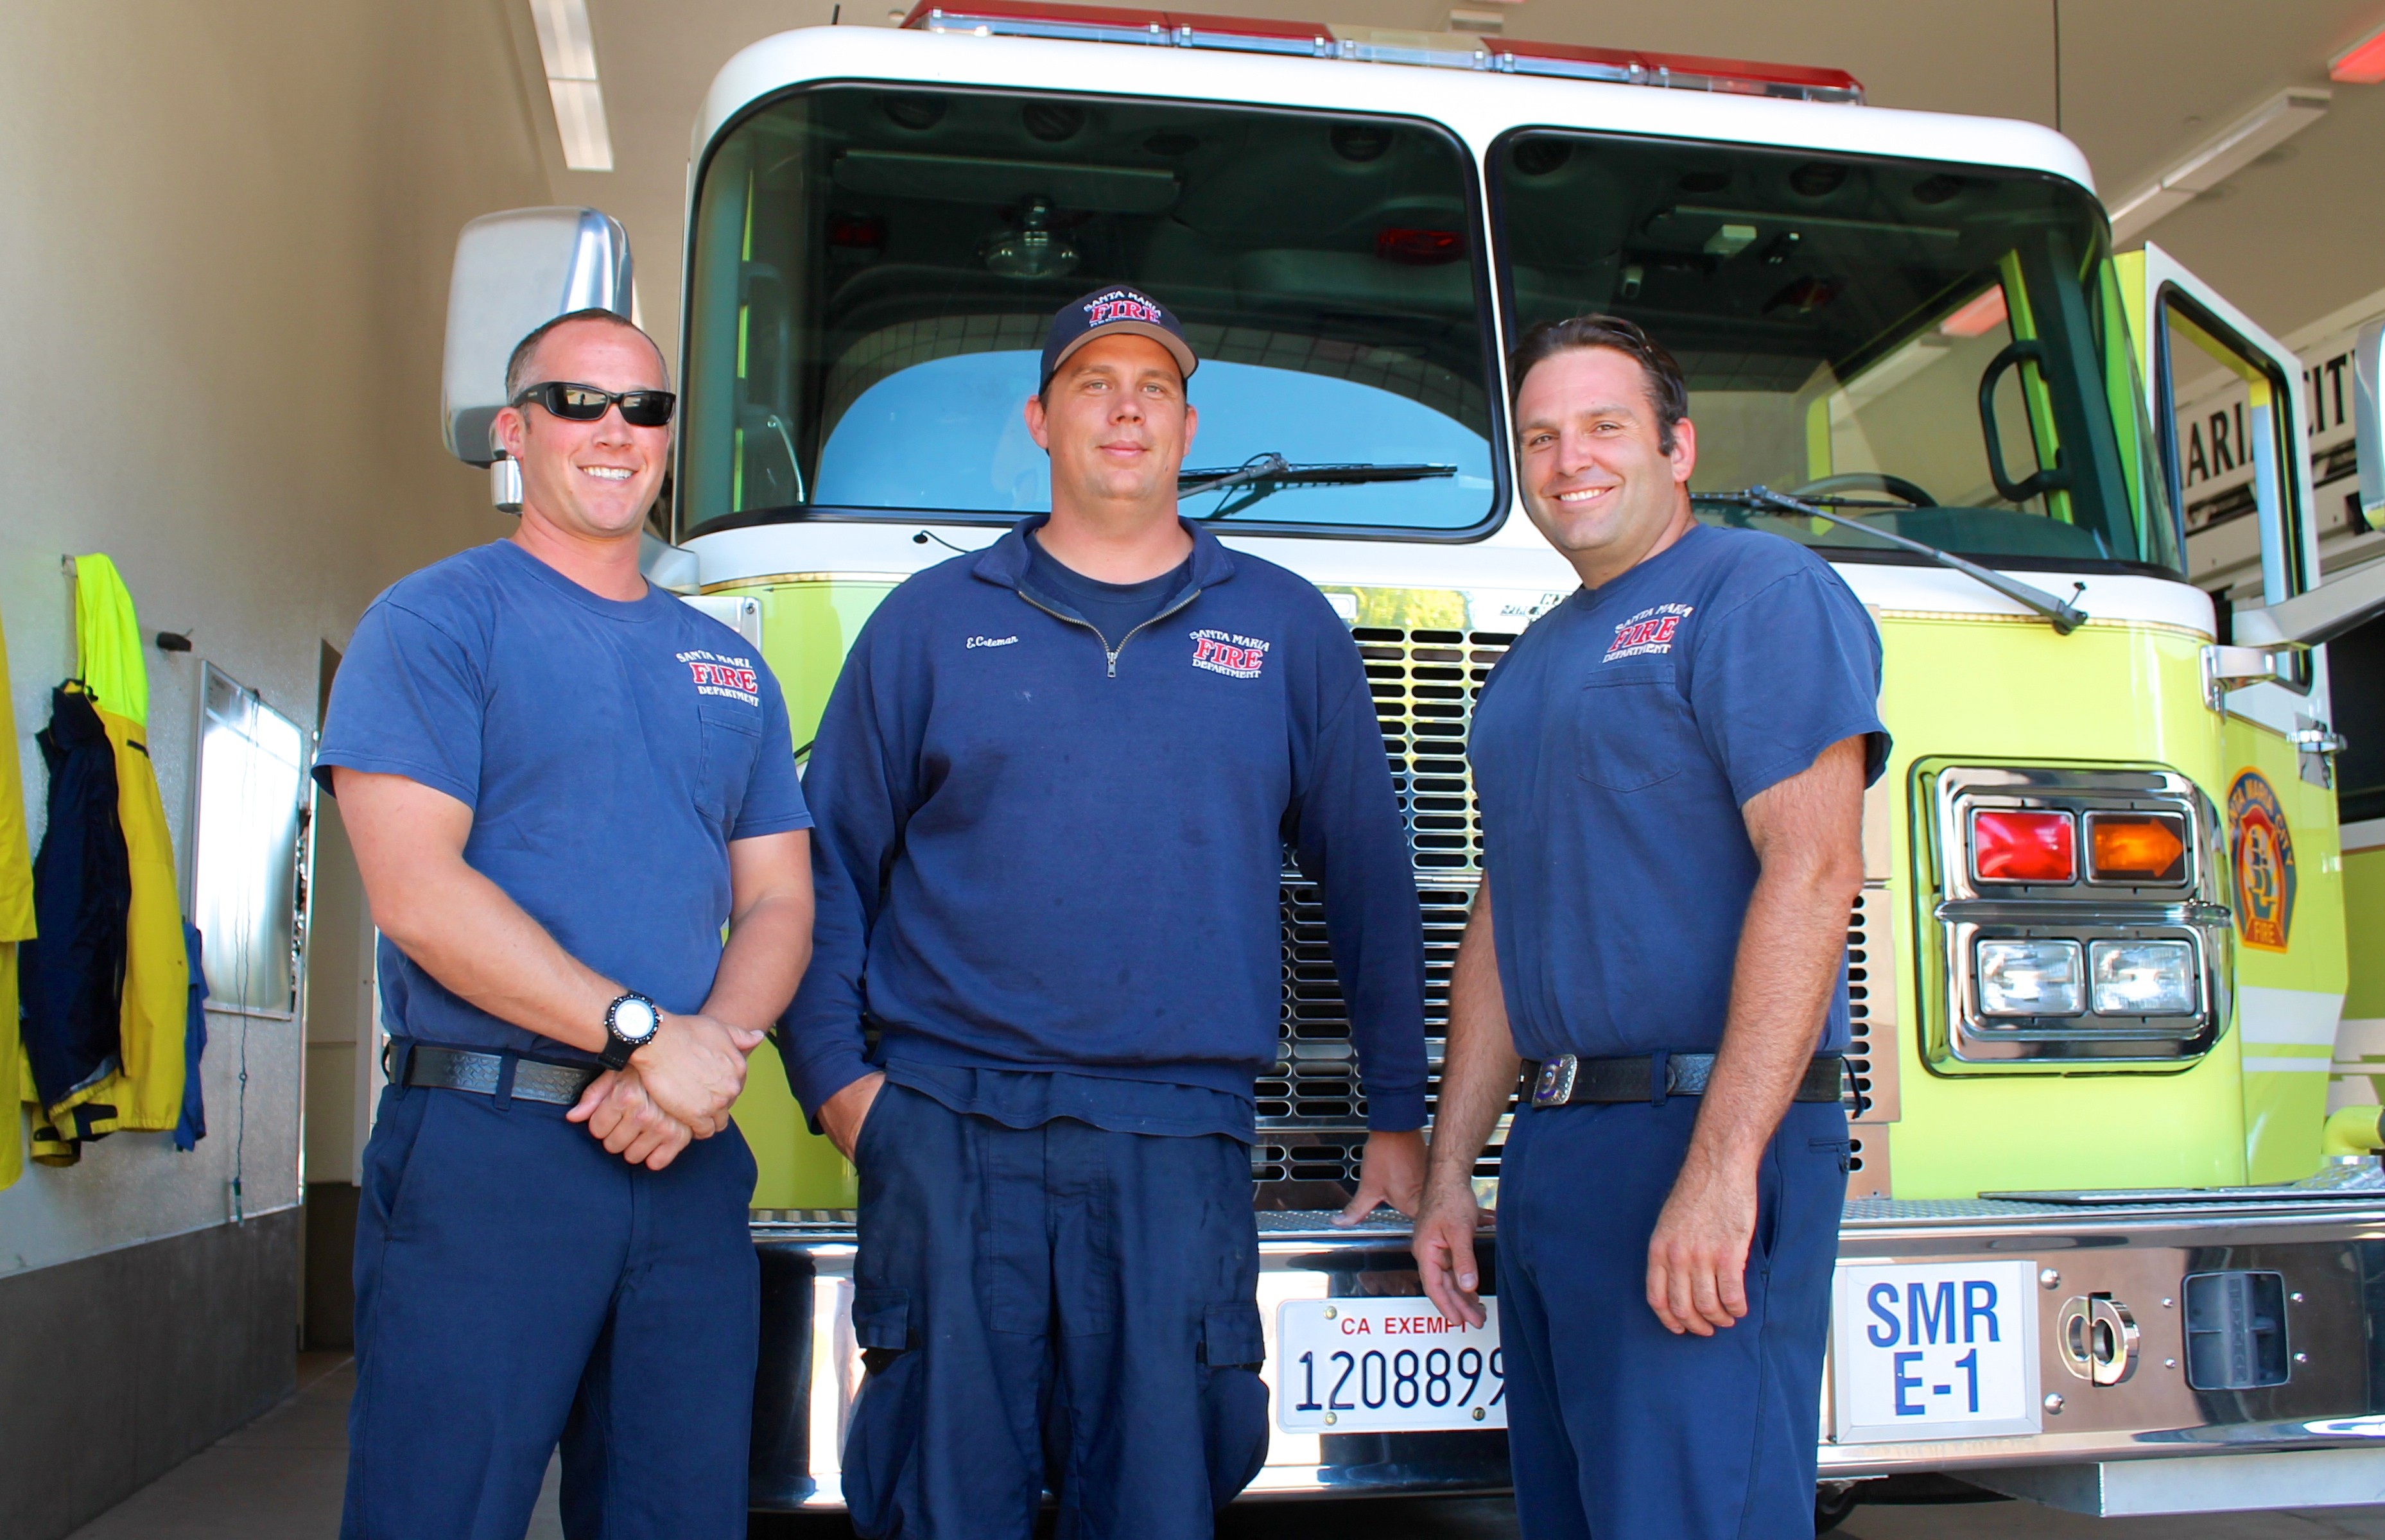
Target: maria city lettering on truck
2100, 1218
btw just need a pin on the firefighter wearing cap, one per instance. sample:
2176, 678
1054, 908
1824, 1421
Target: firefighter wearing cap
1054, 785
1671, 767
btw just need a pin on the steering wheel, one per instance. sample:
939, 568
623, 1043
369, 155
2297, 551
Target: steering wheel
1867, 481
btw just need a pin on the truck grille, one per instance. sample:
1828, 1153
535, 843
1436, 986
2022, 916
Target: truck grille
1312, 1117
1424, 684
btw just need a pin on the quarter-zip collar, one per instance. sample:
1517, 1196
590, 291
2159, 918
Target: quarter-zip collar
1008, 563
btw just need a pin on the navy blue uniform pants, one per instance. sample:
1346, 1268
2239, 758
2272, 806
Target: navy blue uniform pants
1060, 1308
1617, 1428
518, 1287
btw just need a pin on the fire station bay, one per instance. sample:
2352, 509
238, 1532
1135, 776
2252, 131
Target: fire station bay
692, 840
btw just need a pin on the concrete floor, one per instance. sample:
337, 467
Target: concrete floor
280, 1479
277, 1479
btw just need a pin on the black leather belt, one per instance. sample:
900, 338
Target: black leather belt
1565, 1080
481, 1073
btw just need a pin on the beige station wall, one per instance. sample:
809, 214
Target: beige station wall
224, 241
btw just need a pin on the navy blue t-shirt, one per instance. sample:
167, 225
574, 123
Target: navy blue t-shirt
610, 752
1612, 749
1116, 610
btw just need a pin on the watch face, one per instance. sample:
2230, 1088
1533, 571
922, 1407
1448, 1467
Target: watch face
635, 1021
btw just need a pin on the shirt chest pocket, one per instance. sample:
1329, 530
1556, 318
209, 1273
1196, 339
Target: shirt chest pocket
1632, 728
731, 735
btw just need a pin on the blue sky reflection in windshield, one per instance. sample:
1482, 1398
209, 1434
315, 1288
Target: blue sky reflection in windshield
970, 406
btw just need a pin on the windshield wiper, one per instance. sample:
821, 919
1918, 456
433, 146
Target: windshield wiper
1268, 474
2065, 616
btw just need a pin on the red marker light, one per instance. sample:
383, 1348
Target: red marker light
1418, 248
1979, 318
2362, 64
2014, 846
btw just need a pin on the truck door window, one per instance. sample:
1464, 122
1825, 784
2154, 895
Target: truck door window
2230, 454
1939, 350
874, 269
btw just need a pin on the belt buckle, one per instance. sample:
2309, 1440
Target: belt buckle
1554, 1086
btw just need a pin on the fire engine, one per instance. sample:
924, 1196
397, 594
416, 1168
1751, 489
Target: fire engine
2105, 1244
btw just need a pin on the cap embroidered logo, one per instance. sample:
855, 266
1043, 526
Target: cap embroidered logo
1122, 305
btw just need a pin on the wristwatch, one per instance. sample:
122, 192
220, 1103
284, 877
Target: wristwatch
629, 1024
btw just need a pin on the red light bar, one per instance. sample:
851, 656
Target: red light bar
1679, 71
1747, 77
1118, 24
1045, 19
2009, 845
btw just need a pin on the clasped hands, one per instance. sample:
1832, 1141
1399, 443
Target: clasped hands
677, 1088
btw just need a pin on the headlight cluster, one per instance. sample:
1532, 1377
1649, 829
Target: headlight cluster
2020, 978
2082, 910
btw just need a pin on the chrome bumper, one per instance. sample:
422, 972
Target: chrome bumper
2331, 1253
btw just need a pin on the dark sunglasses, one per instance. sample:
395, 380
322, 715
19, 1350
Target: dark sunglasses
587, 403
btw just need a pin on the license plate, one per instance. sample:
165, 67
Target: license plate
1934, 1350
1385, 1366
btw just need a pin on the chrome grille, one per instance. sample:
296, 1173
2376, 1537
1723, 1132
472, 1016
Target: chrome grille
1424, 684
1312, 1116
1860, 1096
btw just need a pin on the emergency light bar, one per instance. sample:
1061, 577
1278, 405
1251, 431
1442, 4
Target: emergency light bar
1382, 45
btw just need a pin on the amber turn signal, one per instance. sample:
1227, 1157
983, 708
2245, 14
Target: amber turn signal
2136, 848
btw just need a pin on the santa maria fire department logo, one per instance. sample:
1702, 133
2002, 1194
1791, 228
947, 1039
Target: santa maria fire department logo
2262, 850
1649, 632
1121, 304
730, 678
1222, 652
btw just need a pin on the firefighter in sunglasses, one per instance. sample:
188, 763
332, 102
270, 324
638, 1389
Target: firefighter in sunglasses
563, 788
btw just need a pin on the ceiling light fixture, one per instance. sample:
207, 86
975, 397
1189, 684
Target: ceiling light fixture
2218, 157
568, 48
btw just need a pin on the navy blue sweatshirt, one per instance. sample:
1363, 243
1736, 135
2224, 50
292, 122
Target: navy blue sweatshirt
1041, 852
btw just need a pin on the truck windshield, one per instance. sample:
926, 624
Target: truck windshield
1938, 349
874, 270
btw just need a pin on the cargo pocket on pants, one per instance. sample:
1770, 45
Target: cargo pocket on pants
880, 1443
1234, 1398
882, 1324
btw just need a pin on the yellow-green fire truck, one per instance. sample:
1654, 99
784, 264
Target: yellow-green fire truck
2100, 952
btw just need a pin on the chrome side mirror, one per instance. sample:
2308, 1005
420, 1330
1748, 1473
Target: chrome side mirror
514, 272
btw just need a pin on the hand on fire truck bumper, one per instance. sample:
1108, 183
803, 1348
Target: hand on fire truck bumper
1390, 1171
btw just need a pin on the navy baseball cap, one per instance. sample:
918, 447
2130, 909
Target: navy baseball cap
1108, 312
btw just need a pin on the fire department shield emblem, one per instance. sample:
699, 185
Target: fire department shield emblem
2261, 848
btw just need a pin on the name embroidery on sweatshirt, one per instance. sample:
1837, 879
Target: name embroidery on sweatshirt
1222, 652
989, 641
